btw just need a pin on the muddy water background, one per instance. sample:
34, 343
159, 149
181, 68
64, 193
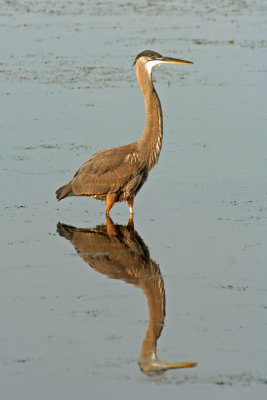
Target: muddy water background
68, 89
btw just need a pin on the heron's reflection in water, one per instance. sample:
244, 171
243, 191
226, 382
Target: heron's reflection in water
118, 252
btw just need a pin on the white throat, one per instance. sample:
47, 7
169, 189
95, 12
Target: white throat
151, 64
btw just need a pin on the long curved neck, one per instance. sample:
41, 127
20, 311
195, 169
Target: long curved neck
150, 142
153, 289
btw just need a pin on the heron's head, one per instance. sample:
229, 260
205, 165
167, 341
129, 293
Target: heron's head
150, 59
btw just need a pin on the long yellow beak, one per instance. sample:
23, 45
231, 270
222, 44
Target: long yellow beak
169, 60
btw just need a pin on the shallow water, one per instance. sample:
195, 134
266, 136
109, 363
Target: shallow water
68, 89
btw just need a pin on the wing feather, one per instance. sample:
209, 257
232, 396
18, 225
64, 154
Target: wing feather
107, 171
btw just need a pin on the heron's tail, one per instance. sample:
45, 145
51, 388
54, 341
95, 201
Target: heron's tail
65, 230
64, 191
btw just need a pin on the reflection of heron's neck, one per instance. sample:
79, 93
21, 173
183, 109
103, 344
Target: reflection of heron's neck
154, 291
150, 142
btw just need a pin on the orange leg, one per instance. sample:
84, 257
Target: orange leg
111, 199
130, 204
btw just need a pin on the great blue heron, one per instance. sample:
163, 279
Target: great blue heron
118, 174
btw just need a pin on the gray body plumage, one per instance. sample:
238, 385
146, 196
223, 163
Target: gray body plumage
118, 174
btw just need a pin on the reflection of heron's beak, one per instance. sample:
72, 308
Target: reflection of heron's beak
169, 60
156, 367
185, 364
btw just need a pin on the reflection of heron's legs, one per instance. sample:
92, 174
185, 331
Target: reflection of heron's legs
130, 224
111, 227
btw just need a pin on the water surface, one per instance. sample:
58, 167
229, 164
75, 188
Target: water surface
68, 89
